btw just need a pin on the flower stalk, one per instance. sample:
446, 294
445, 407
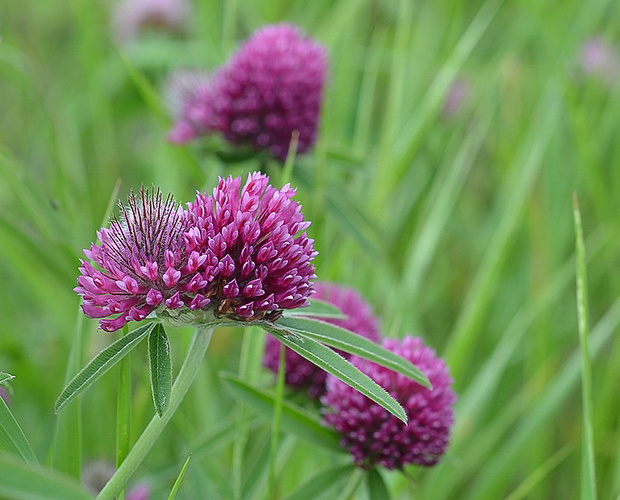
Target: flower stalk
145, 442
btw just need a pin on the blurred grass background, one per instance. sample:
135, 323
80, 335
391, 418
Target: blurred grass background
455, 224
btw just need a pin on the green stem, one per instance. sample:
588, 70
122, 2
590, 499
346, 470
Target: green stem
123, 413
145, 442
277, 417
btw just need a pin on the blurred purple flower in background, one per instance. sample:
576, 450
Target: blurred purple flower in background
271, 87
457, 94
374, 436
97, 473
132, 17
4, 394
600, 59
303, 374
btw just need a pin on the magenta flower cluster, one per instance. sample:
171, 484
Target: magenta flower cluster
241, 252
301, 373
374, 436
270, 88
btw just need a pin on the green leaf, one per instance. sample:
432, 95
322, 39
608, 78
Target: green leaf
377, 488
6, 377
20, 481
303, 424
333, 363
352, 343
322, 483
588, 468
100, 364
317, 309
177, 483
161, 368
12, 438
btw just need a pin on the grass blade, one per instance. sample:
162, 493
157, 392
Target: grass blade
317, 309
177, 483
100, 364
588, 469
333, 363
322, 483
12, 438
160, 367
377, 489
352, 343
299, 422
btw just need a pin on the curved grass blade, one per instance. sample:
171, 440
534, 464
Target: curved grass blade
588, 468
317, 309
160, 367
12, 438
342, 339
177, 483
303, 424
333, 363
19, 480
100, 364
322, 483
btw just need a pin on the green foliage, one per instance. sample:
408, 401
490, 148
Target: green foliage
160, 366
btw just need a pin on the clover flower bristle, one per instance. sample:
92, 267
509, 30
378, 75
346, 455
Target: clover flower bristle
371, 434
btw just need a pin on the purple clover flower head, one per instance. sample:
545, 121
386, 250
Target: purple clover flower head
143, 264
457, 94
601, 59
97, 473
301, 373
131, 17
374, 436
271, 87
258, 257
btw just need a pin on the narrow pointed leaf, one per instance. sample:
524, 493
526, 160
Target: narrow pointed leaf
328, 360
100, 364
322, 483
342, 339
161, 368
317, 309
6, 377
377, 489
20, 480
303, 424
177, 483
12, 438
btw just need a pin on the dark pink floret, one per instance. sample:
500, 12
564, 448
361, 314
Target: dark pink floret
374, 436
303, 374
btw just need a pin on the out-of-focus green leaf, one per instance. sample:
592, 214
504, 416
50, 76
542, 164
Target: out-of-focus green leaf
21, 482
352, 343
12, 438
101, 363
333, 363
295, 420
322, 483
377, 488
161, 368
177, 483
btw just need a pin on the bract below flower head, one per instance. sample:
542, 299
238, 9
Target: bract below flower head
258, 255
271, 87
303, 374
374, 436
142, 264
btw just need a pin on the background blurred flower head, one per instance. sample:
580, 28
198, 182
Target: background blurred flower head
97, 473
303, 374
258, 257
600, 59
374, 436
132, 17
271, 87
